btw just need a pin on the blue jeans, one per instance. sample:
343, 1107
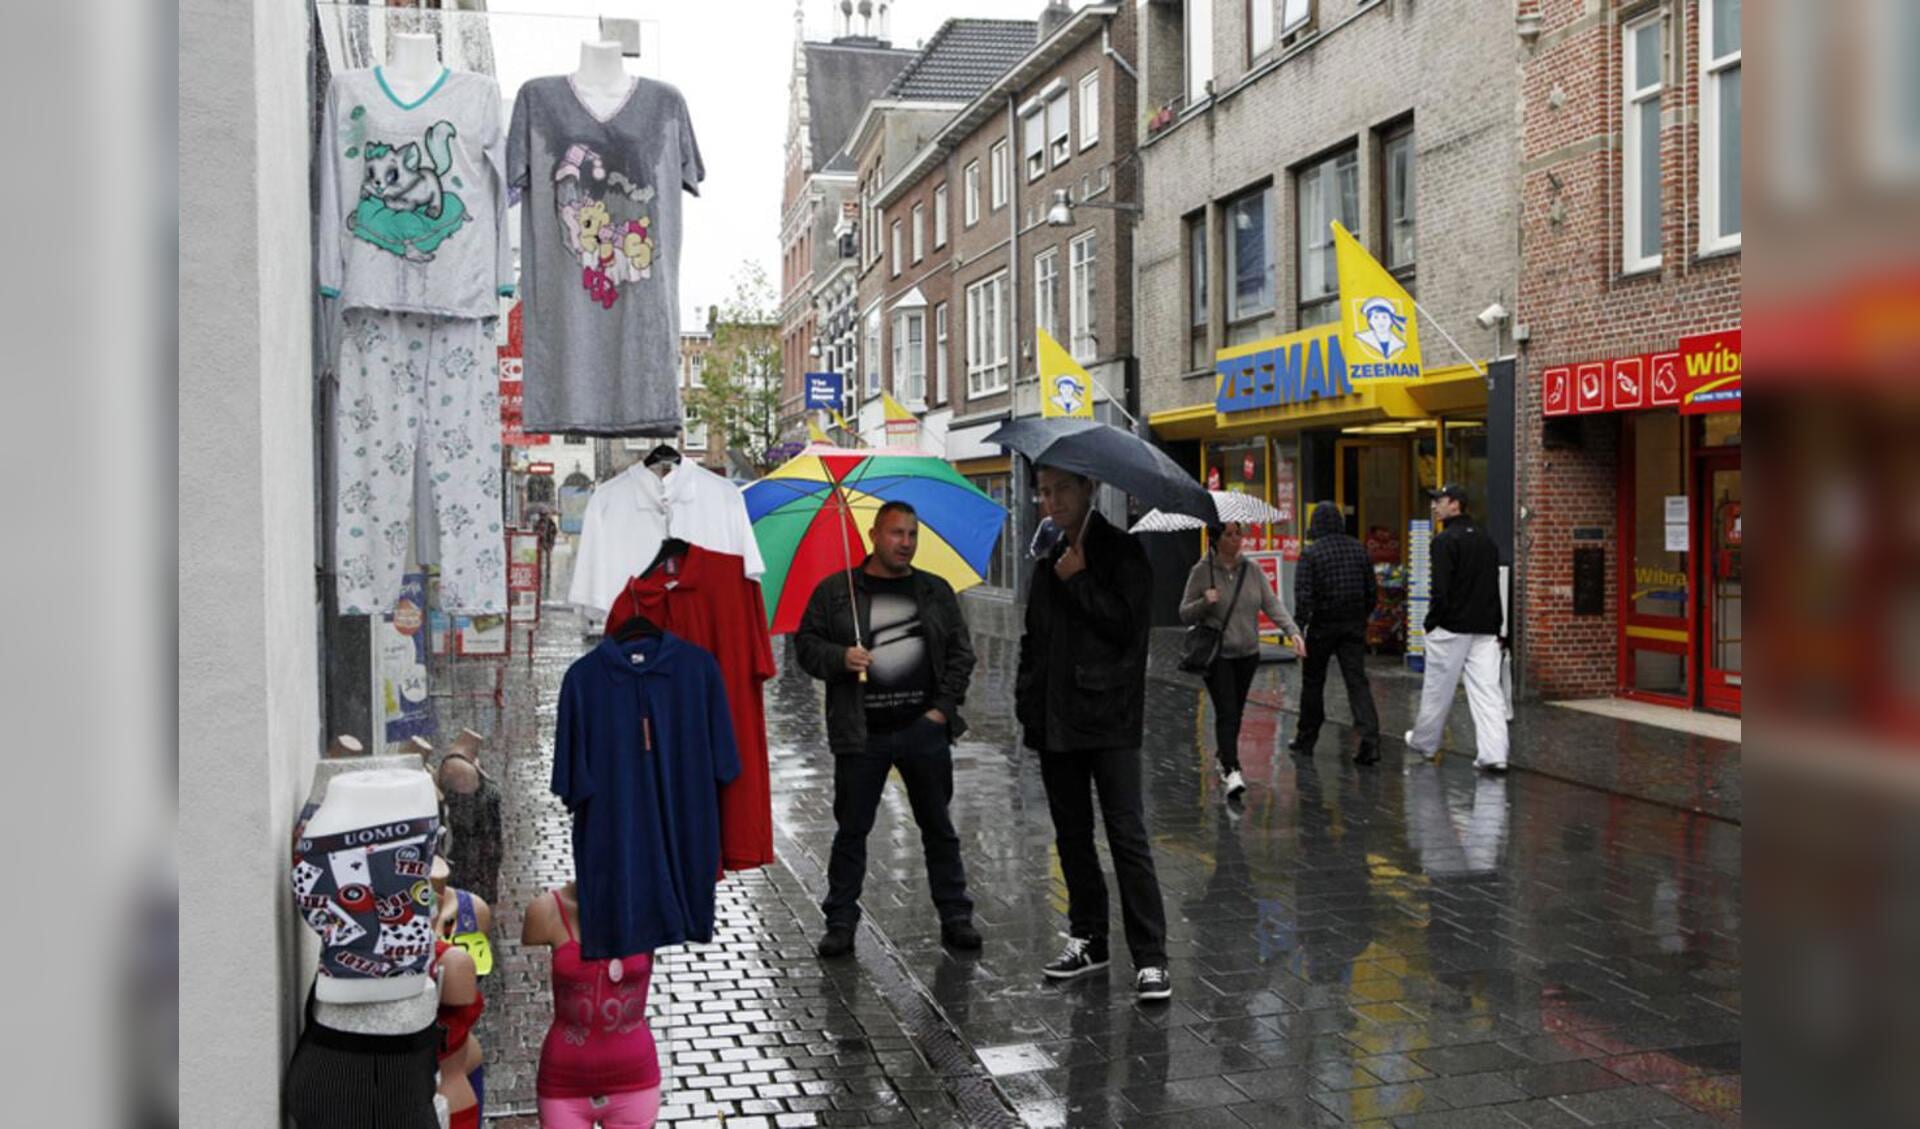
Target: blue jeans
925, 759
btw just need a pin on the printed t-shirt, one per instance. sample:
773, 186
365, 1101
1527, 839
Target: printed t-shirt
600, 244
413, 197
642, 745
705, 598
900, 680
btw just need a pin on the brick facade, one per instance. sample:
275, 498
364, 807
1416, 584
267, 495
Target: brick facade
1579, 305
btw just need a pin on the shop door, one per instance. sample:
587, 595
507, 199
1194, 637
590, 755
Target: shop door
1720, 631
1375, 478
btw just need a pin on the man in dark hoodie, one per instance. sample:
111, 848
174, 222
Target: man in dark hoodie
1333, 593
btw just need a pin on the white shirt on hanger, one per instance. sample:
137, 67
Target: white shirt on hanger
631, 514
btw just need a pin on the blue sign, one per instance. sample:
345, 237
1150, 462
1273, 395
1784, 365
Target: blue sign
824, 390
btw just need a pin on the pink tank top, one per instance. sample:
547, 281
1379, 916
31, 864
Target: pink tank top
599, 1042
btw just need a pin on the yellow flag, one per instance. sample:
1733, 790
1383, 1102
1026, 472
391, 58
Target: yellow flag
1066, 392
1379, 326
895, 411
814, 434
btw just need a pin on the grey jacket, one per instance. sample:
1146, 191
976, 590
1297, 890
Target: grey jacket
1240, 623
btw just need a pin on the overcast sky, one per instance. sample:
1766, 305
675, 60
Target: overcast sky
732, 59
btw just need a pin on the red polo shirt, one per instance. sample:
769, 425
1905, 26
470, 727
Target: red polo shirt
706, 599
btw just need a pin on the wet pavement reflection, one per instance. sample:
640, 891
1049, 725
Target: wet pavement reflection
1413, 944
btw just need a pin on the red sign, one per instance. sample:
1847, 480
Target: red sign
1246, 469
1290, 548
511, 398
1710, 373
1213, 478
1650, 380
1269, 565
540, 468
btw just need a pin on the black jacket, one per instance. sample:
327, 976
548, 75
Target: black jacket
826, 631
1082, 678
1334, 585
1466, 580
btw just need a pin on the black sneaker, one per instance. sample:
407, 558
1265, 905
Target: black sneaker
1153, 984
960, 934
1300, 748
838, 941
1368, 754
1080, 957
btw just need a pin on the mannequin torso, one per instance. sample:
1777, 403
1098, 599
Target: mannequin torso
413, 66
602, 83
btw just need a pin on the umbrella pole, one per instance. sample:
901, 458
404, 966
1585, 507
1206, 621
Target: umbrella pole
846, 556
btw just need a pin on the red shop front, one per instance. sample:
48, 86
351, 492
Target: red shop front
1676, 566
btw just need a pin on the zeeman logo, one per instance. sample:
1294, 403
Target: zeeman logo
1069, 395
1378, 326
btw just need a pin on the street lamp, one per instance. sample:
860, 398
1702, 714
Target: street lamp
1060, 212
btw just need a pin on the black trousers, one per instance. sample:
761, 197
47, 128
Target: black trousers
925, 759
1346, 642
1228, 681
1071, 779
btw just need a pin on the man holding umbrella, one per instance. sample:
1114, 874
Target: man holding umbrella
1079, 696
890, 643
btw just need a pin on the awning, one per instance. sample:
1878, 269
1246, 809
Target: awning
1440, 391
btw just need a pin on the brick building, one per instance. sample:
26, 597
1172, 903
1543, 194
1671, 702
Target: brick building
1630, 187
1264, 122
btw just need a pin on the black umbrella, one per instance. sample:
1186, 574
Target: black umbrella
1108, 454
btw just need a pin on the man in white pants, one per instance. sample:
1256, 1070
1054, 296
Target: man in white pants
1463, 625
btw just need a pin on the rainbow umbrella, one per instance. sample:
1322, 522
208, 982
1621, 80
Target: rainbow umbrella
811, 518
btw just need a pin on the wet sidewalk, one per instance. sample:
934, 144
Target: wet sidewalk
1408, 945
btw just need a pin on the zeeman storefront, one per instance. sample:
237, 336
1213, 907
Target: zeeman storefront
1317, 416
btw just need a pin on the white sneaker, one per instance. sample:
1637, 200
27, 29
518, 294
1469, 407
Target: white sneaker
1491, 766
1235, 785
1424, 754
1153, 984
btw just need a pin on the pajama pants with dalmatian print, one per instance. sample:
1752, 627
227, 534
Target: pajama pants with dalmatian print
417, 383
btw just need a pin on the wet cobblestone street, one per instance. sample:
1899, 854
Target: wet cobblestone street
1413, 944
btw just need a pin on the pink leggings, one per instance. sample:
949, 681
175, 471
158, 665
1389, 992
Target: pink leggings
633, 1109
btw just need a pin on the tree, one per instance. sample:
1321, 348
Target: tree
739, 396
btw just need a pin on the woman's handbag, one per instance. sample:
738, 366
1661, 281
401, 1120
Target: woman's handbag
1202, 643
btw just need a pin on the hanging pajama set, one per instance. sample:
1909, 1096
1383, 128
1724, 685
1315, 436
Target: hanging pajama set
413, 250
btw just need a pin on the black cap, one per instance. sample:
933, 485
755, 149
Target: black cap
1451, 490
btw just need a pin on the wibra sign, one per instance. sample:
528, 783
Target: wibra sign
1703, 375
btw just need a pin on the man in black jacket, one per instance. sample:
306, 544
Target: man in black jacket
1079, 695
1464, 621
1333, 593
891, 703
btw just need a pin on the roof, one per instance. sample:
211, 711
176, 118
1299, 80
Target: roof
841, 77
962, 59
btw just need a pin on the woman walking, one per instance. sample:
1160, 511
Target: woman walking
1227, 591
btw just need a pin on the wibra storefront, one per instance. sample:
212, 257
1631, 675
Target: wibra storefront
1634, 512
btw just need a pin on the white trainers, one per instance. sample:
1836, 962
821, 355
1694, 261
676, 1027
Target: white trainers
1491, 766
1234, 784
1424, 754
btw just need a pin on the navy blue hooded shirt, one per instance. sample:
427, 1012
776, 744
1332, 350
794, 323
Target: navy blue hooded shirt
643, 743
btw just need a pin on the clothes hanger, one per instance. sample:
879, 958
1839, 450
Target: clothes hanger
637, 627
673, 548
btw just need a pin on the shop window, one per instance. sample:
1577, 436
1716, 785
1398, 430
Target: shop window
1720, 429
1659, 504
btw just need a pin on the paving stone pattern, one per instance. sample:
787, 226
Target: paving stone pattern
1407, 945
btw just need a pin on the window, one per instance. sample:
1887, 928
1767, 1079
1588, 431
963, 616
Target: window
1080, 292
919, 232
1719, 125
1396, 155
940, 353
1198, 355
571, 440
871, 354
1034, 133
1059, 129
987, 368
1090, 110
940, 217
1000, 566
910, 356
1641, 75
695, 368
1002, 174
971, 203
1296, 15
895, 248
1199, 43
1259, 29
696, 429
1046, 292
1329, 191
1249, 265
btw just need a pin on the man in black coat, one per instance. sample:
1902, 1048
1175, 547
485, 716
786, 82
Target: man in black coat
891, 645
1464, 622
1333, 593
1079, 695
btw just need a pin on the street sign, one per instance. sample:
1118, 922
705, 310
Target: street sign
824, 390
